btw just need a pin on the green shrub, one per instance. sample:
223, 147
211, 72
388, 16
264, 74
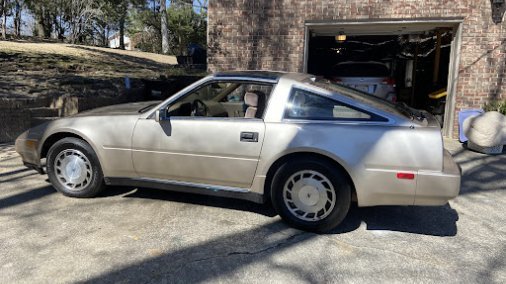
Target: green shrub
496, 105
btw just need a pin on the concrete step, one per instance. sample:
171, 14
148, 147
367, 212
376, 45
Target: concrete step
44, 112
39, 120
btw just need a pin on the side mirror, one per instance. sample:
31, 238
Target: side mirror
160, 115
157, 115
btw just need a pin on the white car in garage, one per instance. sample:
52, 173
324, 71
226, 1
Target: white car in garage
371, 77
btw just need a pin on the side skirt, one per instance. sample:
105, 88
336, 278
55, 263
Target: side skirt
187, 187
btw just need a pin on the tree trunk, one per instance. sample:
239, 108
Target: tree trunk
164, 27
181, 48
122, 32
17, 19
105, 33
44, 22
4, 19
58, 28
80, 37
122, 25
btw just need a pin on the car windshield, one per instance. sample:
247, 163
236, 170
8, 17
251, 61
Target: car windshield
398, 108
361, 70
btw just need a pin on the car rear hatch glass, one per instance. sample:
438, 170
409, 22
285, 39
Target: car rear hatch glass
400, 109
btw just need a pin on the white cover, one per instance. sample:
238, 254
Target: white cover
487, 129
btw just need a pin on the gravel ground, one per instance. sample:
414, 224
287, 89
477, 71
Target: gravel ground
143, 235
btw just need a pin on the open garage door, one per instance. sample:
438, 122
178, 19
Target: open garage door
410, 62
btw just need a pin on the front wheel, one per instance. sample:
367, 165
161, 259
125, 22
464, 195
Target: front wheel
73, 168
311, 195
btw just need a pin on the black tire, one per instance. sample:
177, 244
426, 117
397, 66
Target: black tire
92, 186
340, 184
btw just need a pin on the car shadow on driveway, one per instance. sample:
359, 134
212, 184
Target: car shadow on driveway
438, 221
425, 220
213, 201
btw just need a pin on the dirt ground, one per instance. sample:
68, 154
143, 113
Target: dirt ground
29, 69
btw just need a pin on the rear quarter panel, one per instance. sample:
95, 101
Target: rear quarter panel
371, 154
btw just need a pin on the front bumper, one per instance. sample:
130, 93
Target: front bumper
28, 150
436, 188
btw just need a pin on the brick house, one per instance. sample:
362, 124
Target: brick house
277, 35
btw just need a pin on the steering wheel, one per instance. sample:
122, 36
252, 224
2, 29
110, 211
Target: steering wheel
199, 108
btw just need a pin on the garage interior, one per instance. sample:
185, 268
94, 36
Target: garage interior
418, 56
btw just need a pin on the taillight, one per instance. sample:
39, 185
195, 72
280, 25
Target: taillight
405, 176
389, 81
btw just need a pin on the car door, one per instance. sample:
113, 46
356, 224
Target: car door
218, 149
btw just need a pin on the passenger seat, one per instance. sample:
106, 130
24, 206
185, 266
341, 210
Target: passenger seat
255, 102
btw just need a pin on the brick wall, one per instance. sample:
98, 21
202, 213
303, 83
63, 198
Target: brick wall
269, 34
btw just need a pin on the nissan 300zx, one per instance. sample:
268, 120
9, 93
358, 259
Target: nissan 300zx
308, 146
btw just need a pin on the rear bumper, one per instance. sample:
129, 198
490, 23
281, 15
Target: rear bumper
436, 188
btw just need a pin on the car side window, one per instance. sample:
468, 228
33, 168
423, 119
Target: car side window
306, 105
223, 99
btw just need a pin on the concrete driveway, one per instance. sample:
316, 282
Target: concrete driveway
143, 235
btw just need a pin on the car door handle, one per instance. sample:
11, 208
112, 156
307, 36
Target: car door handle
249, 136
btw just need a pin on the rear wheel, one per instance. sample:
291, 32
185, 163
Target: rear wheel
311, 195
73, 168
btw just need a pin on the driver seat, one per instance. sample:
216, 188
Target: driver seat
255, 102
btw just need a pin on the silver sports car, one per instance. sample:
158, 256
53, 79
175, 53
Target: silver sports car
308, 146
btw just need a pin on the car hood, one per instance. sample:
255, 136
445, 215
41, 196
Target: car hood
120, 109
